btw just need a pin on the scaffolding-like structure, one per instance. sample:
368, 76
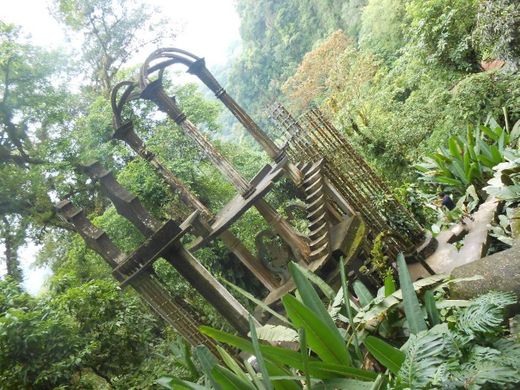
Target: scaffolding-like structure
343, 198
312, 138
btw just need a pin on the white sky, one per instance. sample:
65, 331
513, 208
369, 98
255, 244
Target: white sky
208, 28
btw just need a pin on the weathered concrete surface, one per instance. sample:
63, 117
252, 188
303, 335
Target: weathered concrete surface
447, 257
444, 252
477, 240
501, 272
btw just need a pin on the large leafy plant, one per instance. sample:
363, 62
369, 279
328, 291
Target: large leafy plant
468, 160
447, 344
505, 186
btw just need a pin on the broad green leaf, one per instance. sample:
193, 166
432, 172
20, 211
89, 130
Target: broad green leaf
371, 316
387, 355
496, 154
343, 384
309, 296
457, 169
283, 379
319, 282
447, 180
258, 354
207, 362
275, 354
515, 132
454, 148
412, 308
276, 333
327, 343
431, 308
492, 135
305, 357
231, 363
324, 370
179, 384
228, 380
389, 285
285, 357
258, 302
364, 296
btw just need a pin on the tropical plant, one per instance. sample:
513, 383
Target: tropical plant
468, 160
449, 344
505, 184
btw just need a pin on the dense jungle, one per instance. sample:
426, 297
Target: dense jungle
427, 91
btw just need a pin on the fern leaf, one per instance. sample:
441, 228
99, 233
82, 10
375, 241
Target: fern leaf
496, 298
424, 358
474, 375
485, 314
509, 352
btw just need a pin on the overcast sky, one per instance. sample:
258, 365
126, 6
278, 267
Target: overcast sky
207, 28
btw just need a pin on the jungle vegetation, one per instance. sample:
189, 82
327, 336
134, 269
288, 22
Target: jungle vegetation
401, 78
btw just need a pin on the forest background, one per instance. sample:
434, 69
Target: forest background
397, 77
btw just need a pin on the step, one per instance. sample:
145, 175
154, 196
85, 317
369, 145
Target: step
316, 213
317, 222
319, 241
320, 252
304, 167
314, 205
315, 167
312, 178
312, 197
316, 185
318, 231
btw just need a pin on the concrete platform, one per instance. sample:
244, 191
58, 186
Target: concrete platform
475, 241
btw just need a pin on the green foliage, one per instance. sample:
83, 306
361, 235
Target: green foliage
505, 184
422, 362
387, 355
469, 348
378, 260
466, 161
412, 307
441, 30
497, 31
485, 314
112, 30
384, 36
48, 342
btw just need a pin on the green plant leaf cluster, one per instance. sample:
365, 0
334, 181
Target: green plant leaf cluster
467, 161
453, 347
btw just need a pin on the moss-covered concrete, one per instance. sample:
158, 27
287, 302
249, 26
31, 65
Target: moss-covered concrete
501, 272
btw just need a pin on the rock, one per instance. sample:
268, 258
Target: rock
501, 272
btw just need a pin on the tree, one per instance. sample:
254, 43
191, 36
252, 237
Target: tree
309, 82
58, 339
441, 32
382, 28
275, 37
498, 31
113, 31
30, 113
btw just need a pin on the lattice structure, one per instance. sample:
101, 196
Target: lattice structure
147, 285
339, 190
313, 138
